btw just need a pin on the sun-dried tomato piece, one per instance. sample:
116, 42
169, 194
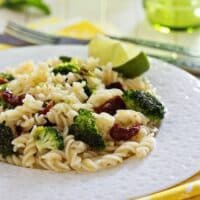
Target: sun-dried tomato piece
47, 107
116, 85
111, 106
9, 98
18, 130
3, 80
119, 133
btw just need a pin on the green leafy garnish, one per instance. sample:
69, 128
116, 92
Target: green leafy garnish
134, 67
21, 4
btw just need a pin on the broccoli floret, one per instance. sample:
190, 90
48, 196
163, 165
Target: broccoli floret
65, 58
72, 66
4, 104
145, 103
66, 67
84, 128
3, 87
87, 90
48, 138
7, 76
6, 137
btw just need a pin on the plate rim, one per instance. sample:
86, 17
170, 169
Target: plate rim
34, 48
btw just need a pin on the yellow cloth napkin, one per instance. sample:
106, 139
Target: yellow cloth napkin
189, 189
184, 191
4, 46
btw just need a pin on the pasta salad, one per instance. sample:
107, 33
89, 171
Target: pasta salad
68, 114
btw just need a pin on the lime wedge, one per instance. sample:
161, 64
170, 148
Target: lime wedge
134, 67
109, 50
127, 58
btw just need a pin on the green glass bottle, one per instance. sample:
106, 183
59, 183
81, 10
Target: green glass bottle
174, 14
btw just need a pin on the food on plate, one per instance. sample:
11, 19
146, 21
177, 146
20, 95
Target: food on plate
72, 114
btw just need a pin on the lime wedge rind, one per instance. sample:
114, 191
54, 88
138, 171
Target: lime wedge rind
126, 58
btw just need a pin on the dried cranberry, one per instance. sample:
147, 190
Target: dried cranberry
47, 107
119, 133
3, 80
18, 130
111, 106
117, 85
9, 98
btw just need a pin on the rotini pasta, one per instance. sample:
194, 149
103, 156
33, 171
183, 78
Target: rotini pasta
13, 159
73, 116
62, 115
20, 142
29, 157
109, 76
53, 161
101, 96
30, 106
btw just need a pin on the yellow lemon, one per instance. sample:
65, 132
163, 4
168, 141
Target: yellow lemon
83, 30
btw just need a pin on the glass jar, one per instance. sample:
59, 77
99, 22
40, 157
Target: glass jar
174, 14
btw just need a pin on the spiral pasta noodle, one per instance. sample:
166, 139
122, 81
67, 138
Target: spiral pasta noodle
72, 150
62, 115
138, 84
109, 76
13, 159
20, 142
30, 150
42, 124
30, 106
25, 81
53, 161
147, 144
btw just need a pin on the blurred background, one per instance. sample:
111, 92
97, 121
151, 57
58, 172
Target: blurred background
120, 17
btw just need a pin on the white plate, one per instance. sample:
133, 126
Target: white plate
175, 158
